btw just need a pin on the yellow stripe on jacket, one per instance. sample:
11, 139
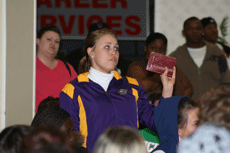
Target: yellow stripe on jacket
69, 90
83, 128
135, 94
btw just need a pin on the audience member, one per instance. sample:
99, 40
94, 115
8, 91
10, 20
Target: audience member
59, 118
211, 35
215, 106
47, 137
51, 73
213, 133
102, 97
11, 138
120, 140
151, 82
203, 63
180, 120
49, 101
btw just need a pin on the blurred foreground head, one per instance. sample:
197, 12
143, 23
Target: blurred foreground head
11, 138
47, 138
120, 140
215, 106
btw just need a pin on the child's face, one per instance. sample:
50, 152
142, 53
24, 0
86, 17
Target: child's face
191, 124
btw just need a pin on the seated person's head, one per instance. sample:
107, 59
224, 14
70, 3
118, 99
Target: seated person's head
187, 117
120, 140
175, 118
47, 137
49, 101
154, 98
156, 42
215, 106
54, 116
11, 138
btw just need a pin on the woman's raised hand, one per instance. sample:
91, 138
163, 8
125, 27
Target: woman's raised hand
168, 83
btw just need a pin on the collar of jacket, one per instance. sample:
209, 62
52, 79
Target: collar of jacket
83, 77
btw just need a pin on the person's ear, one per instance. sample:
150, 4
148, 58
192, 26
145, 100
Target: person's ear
90, 52
180, 132
183, 33
38, 41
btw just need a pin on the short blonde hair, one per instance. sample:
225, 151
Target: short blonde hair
121, 139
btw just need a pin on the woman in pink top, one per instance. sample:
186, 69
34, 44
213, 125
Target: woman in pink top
52, 74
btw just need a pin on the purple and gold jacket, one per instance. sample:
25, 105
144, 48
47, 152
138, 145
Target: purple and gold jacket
93, 109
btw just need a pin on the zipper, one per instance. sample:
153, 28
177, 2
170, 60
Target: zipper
113, 111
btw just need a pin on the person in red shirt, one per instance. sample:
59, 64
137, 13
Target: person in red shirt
52, 74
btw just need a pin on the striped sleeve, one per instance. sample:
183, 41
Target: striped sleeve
69, 102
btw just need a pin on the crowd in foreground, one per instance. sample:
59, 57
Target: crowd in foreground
99, 110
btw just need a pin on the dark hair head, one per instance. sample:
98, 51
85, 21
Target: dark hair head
215, 106
51, 115
11, 138
189, 19
48, 28
184, 105
154, 36
49, 101
91, 40
97, 26
207, 21
47, 137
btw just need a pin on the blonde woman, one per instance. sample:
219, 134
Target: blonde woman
101, 97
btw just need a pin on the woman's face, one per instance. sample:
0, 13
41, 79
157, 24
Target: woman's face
157, 46
68, 127
191, 124
48, 44
105, 54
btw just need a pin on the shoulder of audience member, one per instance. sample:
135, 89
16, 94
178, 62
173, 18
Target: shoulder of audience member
177, 51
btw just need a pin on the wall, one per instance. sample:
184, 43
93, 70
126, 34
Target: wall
20, 61
2, 62
170, 16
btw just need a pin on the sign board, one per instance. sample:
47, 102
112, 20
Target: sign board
128, 18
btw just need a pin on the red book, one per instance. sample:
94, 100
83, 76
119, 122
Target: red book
157, 63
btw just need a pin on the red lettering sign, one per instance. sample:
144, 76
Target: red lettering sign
96, 4
110, 21
78, 4
81, 24
131, 24
124, 4
58, 3
67, 28
44, 2
47, 20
